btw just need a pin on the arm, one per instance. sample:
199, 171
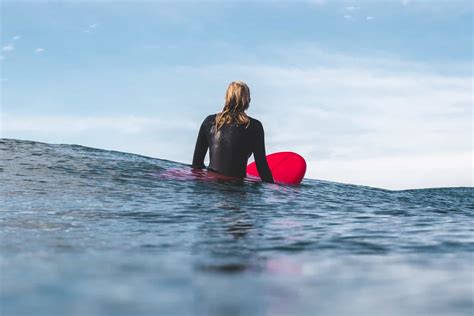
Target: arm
260, 156
201, 148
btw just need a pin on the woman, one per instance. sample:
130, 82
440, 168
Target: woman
232, 137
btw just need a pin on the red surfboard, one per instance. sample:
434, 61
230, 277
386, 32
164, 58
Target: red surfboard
287, 167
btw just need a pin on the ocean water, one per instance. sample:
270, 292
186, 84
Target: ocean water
93, 232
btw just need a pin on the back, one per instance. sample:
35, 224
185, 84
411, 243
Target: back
231, 147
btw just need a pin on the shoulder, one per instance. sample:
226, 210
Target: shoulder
210, 119
256, 123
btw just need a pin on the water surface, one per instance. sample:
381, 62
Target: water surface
93, 232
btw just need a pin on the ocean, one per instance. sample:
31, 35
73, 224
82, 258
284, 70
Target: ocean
87, 231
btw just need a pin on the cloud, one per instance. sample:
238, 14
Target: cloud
369, 18
8, 48
375, 121
349, 12
16, 37
437, 169
2, 57
39, 50
91, 28
145, 135
353, 113
77, 125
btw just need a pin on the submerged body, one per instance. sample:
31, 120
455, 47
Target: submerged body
230, 147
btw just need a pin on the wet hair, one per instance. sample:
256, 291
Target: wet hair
237, 100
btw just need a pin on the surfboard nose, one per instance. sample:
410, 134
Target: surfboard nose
287, 167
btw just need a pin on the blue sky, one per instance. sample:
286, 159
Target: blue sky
369, 92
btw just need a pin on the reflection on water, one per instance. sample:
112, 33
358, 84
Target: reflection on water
92, 232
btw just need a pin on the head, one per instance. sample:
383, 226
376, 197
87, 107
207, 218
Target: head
237, 97
237, 100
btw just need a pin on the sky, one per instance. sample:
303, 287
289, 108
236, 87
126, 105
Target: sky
377, 93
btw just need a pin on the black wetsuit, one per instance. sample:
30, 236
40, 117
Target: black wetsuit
231, 147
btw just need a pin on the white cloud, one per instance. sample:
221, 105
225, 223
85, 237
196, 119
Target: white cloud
91, 28
437, 169
368, 18
16, 37
2, 57
354, 115
373, 121
138, 134
77, 125
39, 50
8, 48
351, 8
348, 17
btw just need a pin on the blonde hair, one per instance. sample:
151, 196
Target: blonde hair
237, 100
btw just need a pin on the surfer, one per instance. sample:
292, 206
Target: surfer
232, 137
